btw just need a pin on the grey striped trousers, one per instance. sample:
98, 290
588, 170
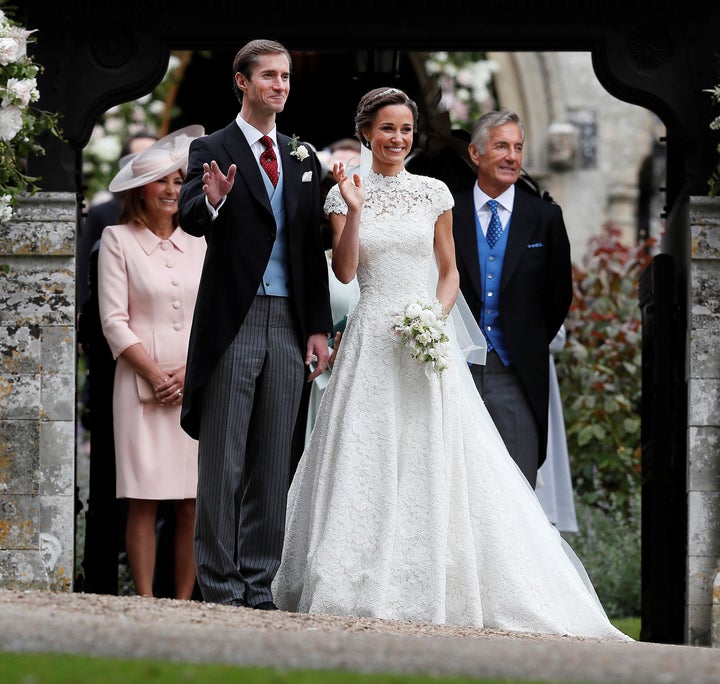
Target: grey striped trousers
248, 413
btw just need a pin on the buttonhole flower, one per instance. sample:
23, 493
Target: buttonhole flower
300, 152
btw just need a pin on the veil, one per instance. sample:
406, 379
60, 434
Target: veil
464, 329
365, 161
468, 345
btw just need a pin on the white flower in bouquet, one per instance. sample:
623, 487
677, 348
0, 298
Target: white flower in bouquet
428, 318
421, 329
412, 312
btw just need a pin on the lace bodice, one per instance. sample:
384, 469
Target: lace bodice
396, 234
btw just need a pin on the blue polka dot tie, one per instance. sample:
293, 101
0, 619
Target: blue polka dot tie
268, 160
495, 227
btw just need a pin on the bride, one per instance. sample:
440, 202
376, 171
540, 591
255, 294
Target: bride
406, 504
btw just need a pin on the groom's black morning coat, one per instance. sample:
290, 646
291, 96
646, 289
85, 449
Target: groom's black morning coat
239, 243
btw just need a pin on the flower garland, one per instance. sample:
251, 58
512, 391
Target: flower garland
20, 123
421, 329
465, 80
714, 180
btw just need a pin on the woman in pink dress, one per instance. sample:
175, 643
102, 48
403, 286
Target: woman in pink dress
148, 275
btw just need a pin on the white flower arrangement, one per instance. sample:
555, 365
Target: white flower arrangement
20, 122
300, 152
421, 329
465, 84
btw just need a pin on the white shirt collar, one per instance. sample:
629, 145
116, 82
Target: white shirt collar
506, 200
252, 134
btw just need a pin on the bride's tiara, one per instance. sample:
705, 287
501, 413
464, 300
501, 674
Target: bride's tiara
387, 91
382, 93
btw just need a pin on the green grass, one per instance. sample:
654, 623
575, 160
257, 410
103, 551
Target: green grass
628, 625
68, 669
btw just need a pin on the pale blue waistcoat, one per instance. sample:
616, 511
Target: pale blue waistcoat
491, 266
276, 278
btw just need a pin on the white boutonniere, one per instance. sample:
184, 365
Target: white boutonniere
300, 152
421, 329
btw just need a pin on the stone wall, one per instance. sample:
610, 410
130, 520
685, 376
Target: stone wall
37, 393
703, 427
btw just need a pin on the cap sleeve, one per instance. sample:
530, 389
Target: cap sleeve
334, 202
443, 198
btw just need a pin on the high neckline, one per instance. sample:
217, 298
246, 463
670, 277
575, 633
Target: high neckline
403, 173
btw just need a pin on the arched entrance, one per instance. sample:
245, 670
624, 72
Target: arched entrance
98, 56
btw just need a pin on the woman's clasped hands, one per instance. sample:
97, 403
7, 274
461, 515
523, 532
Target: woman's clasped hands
169, 392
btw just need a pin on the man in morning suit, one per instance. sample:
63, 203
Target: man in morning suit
262, 317
513, 255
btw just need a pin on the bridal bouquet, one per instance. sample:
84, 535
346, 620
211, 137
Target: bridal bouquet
421, 328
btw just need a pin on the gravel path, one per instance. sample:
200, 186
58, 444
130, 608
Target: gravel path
185, 631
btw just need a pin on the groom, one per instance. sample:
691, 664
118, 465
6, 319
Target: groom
261, 318
513, 256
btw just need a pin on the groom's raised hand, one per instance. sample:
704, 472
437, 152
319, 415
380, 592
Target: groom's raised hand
216, 185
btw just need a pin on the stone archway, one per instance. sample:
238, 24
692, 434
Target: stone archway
95, 56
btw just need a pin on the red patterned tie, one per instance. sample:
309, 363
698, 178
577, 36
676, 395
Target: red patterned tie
268, 160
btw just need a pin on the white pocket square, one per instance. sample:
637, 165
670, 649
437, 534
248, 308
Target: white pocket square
307, 177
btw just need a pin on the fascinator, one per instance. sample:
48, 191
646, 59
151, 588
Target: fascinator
164, 156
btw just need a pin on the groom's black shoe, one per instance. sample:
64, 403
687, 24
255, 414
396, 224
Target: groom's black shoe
236, 602
265, 605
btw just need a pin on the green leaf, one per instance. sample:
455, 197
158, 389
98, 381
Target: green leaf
585, 435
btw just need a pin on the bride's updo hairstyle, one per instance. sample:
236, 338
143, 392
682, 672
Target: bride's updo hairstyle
377, 99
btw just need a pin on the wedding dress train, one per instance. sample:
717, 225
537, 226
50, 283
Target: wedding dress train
406, 504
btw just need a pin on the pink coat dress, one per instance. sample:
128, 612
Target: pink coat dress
147, 289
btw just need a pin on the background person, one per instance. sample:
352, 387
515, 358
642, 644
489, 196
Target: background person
105, 514
104, 213
148, 274
516, 275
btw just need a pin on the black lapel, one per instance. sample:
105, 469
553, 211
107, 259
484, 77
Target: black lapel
521, 228
466, 238
239, 150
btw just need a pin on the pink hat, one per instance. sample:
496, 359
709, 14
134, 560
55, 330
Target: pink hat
164, 156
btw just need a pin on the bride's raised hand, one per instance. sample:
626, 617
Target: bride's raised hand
350, 188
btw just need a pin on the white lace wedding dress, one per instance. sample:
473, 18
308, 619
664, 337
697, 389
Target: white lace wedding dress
406, 504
